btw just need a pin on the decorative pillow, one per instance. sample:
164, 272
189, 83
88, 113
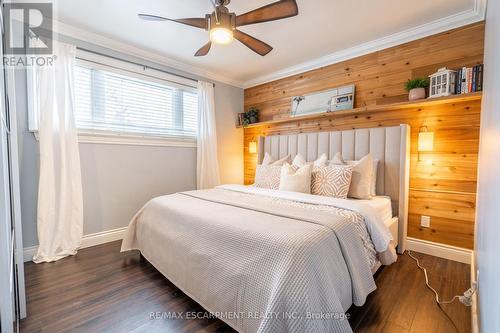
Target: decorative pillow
296, 180
269, 160
268, 176
374, 178
332, 180
338, 159
300, 161
362, 176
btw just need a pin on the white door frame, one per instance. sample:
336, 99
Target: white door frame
15, 192
7, 313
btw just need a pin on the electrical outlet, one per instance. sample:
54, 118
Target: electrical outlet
425, 221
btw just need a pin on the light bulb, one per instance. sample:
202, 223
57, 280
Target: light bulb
221, 35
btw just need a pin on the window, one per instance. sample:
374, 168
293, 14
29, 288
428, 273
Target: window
117, 102
110, 102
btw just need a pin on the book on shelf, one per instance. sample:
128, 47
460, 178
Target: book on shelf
464, 80
474, 78
469, 79
480, 77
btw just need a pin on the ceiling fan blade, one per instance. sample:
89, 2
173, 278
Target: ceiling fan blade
148, 17
275, 11
252, 43
194, 22
204, 50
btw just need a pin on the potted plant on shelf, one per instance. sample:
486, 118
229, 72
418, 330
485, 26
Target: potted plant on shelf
251, 116
416, 88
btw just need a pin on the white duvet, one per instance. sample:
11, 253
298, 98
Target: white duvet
260, 260
375, 219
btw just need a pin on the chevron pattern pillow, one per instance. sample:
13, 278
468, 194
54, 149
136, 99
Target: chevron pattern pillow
331, 181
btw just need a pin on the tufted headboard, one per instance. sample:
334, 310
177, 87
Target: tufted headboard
390, 145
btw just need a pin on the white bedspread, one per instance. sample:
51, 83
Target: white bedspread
375, 219
260, 265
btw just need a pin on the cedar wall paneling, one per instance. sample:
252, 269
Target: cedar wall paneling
443, 184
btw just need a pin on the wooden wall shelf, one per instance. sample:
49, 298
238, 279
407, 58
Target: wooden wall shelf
375, 108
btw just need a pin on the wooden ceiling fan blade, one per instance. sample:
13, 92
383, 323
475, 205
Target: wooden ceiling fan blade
252, 43
275, 11
201, 23
204, 50
148, 17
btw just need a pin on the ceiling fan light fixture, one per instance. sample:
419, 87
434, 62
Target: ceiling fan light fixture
221, 35
222, 25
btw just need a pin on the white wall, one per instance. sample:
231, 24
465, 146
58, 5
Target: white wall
118, 180
488, 206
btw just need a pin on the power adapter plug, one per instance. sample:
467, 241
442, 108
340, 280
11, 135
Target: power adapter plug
466, 299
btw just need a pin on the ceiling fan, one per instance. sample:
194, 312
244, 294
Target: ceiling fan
222, 25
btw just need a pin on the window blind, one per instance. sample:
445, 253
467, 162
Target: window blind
127, 105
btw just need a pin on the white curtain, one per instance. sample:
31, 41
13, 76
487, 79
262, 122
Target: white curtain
60, 203
207, 163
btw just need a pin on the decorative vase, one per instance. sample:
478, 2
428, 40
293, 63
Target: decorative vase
417, 93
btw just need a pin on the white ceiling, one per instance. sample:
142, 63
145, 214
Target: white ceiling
322, 27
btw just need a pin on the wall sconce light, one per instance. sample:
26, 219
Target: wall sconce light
425, 140
252, 147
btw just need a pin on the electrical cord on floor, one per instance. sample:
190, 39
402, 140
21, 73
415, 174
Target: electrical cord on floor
465, 299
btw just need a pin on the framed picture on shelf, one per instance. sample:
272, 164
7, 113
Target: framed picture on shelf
331, 100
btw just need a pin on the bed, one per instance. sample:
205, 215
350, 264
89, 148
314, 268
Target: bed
274, 261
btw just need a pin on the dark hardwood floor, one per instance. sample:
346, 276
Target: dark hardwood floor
102, 290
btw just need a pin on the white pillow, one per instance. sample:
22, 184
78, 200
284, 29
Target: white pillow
300, 161
374, 177
269, 160
362, 176
296, 180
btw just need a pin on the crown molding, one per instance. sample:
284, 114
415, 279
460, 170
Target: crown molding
476, 14
128, 49
473, 15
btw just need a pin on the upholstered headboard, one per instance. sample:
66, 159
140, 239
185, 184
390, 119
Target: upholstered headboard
390, 145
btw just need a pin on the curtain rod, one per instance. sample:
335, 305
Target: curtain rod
137, 64
33, 35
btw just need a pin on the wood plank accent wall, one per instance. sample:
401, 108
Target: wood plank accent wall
443, 183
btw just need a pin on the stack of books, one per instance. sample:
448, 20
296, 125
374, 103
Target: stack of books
469, 79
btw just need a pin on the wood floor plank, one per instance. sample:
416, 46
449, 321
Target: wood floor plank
103, 290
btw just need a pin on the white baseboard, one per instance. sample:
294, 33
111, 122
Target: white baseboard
474, 309
439, 250
87, 241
